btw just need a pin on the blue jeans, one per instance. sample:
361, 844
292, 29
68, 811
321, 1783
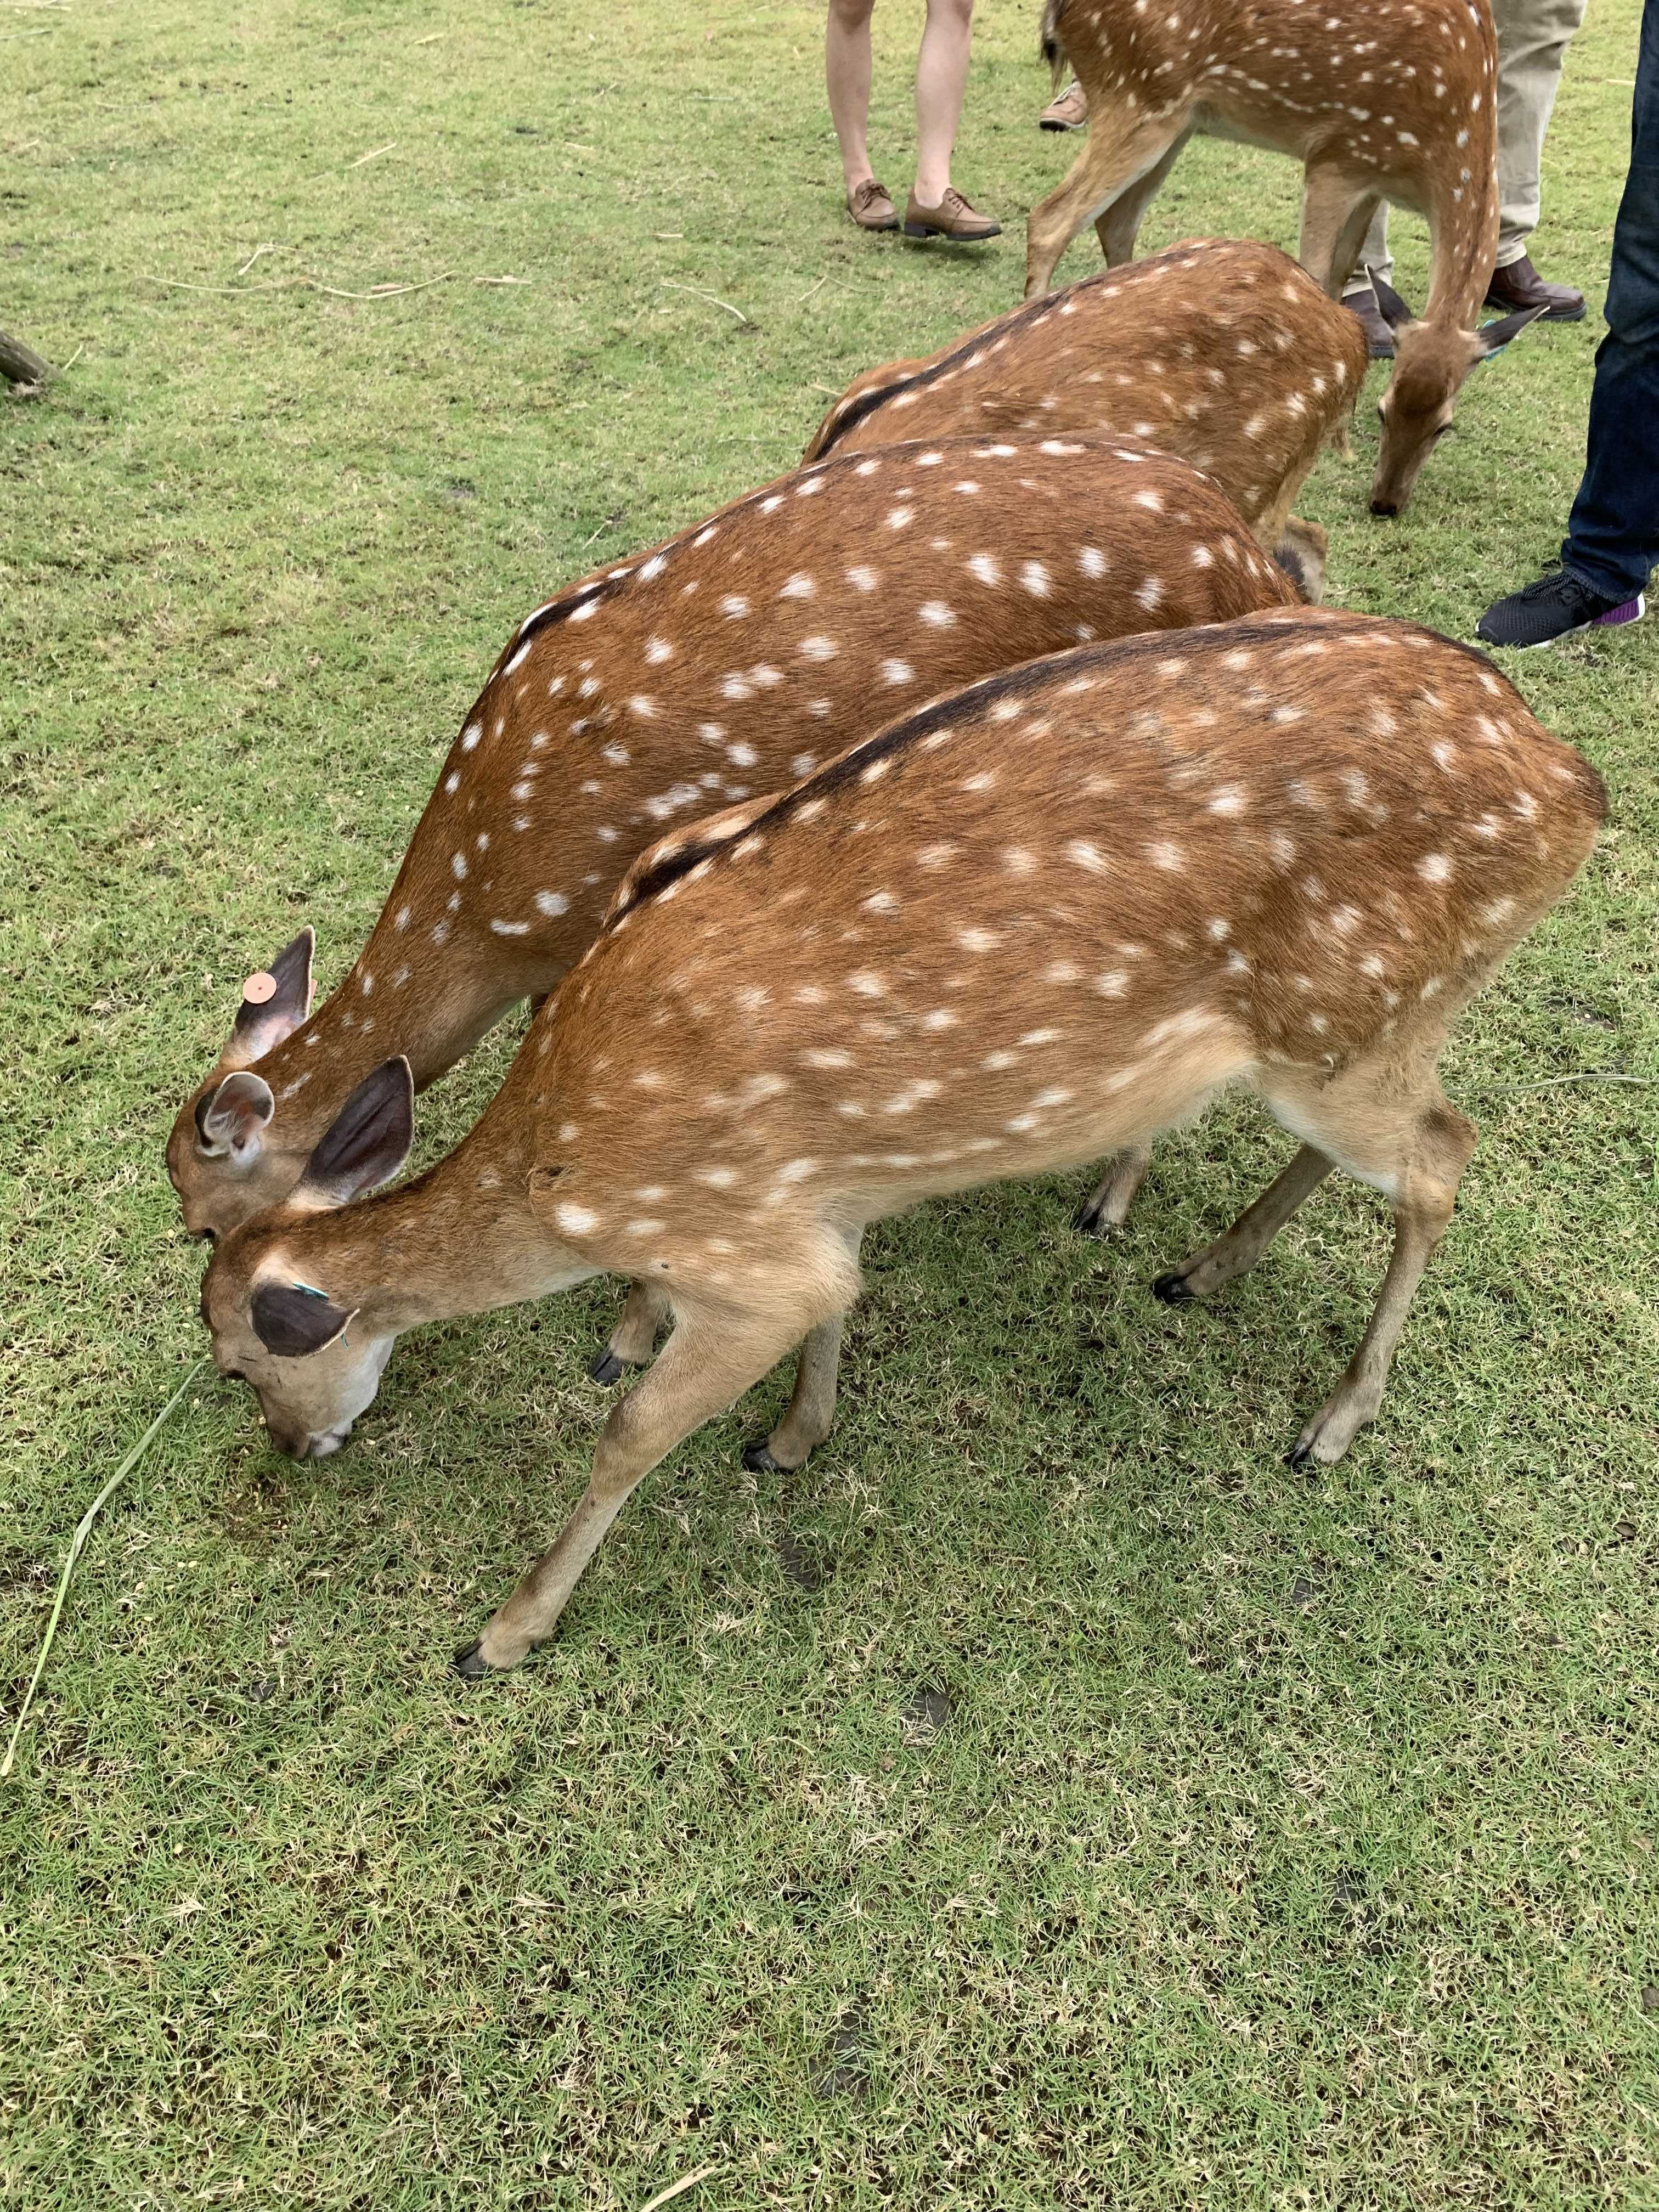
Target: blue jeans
1613, 538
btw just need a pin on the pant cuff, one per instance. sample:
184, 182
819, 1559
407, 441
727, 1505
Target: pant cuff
1509, 252
1601, 580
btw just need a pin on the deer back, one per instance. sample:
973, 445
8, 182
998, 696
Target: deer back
724, 664
1222, 351
1044, 916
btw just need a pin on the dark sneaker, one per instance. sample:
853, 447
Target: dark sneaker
1379, 338
1555, 606
1519, 286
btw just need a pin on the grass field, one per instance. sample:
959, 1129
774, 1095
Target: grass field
1045, 1799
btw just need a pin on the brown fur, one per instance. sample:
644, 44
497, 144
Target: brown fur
639, 696
1133, 350
1375, 98
1042, 918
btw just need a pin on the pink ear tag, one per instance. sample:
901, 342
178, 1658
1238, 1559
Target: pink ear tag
259, 987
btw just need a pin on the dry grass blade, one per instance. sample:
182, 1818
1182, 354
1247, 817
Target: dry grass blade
310, 283
711, 297
1586, 1075
679, 2188
83, 1529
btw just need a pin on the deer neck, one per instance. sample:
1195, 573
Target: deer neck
460, 1239
1463, 245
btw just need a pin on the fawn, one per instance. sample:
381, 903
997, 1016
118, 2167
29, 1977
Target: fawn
1376, 97
721, 666
1047, 916
1134, 350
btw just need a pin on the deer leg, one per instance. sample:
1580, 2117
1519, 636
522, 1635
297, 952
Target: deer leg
709, 1361
1344, 255
1116, 228
1249, 1235
1335, 215
1390, 1125
812, 1411
1107, 1206
634, 1339
1118, 153
1301, 548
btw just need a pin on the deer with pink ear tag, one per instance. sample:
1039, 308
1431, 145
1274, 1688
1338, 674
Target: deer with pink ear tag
227, 1119
712, 669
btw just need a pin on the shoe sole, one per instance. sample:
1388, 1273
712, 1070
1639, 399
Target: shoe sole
1044, 125
1549, 315
1629, 611
957, 237
857, 225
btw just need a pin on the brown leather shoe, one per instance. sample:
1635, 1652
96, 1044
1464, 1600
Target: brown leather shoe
1519, 285
1379, 338
951, 218
870, 208
1069, 113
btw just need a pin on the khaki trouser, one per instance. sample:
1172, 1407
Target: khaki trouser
1532, 37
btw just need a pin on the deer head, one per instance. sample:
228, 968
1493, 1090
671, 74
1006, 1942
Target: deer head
1431, 360
275, 1327
224, 1130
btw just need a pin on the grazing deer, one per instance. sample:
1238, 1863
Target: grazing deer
1047, 915
1376, 97
1133, 352
723, 665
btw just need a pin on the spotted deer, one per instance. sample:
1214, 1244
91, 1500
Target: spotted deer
1137, 351
723, 665
1043, 917
1375, 98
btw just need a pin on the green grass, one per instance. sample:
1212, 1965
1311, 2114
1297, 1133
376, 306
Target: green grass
1266, 1843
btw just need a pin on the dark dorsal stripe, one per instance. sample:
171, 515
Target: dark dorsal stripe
561, 609
877, 396
1018, 318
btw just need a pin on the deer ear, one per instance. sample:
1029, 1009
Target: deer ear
1492, 338
275, 1001
231, 1120
1395, 311
293, 1321
368, 1142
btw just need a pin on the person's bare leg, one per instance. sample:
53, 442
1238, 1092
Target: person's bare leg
846, 73
941, 80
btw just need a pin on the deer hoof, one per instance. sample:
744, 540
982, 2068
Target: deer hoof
1090, 1220
471, 1664
606, 1367
1173, 1290
1298, 1454
757, 1458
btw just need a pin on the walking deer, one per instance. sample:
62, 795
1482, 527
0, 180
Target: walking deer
1045, 916
724, 664
1139, 351
1376, 97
